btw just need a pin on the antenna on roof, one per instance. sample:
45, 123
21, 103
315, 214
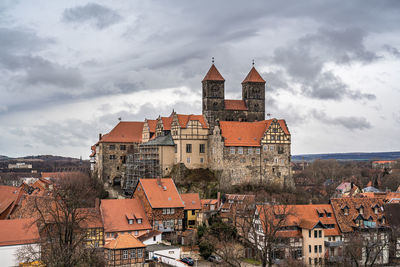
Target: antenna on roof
212, 60
253, 63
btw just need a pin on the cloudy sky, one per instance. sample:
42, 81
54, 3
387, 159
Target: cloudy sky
69, 69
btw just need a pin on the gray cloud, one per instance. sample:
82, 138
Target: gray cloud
350, 122
100, 16
392, 50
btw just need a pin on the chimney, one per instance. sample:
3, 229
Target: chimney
99, 136
97, 203
159, 181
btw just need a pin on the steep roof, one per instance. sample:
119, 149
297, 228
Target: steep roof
152, 125
161, 193
191, 201
166, 121
125, 132
237, 133
184, 119
235, 105
253, 77
115, 212
346, 222
303, 216
18, 232
124, 241
9, 196
213, 75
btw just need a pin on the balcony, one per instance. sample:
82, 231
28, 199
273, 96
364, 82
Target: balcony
333, 243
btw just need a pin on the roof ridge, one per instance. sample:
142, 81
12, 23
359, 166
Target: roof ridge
253, 76
213, 74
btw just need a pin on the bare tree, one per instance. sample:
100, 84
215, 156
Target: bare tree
64, 220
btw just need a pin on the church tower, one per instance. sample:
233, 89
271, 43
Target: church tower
253, 94
213, 95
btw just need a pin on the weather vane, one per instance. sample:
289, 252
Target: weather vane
212, 60
253, 62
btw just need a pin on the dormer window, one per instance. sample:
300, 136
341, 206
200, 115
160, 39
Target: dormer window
139, 221
361, 210
346, 211
130, 221
328, 214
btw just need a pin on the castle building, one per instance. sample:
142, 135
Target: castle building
231, 137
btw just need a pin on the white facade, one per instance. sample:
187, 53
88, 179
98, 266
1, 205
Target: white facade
153, 240
8, 254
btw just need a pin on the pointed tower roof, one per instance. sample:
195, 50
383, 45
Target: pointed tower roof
253, 77
213, 75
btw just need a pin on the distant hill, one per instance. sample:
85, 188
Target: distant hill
4, 157
349, 156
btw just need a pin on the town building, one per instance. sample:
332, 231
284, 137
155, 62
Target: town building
192, 208
209, 207
124, 250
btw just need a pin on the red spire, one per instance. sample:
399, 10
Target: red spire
213, 75
253, 77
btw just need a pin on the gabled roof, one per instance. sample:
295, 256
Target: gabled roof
191, 201
184, 119
253, 77
114, 215
18, 232
92, 218
161, 193
125, 132
9, 197
124, 241
213, 75
149, 235
166, 122
152, 125
235, 105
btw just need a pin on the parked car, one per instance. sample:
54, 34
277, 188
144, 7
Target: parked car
189, 261
215, 259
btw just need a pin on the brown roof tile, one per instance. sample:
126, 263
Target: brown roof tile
9, 197
184, 119
253, 77
124, 241
213, 75
114, 215
18, 232
191, 201
235, 105
161, 195
125, 132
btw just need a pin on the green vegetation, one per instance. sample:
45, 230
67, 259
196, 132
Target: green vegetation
252, 261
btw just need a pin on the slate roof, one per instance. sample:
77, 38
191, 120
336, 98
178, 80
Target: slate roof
160, 141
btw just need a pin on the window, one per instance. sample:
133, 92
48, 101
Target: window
193, 212
188, 148
202, 148
130, 221
172, 211
250, 150
376, 210
309, 248
315, 249
168, 211
309, 233
320, 233
112, 147
258, 151
154, 238
320, 261
124, 254
188, 160
139, 221
240, 150
164, 211
176, 148
112, 157
320, 248
242, 160
140, 253
346, 211
136, 233
328, 214
265, 148
201, 160
232, 150
309, 261
133, 253
122, 147
315, 234
271, 147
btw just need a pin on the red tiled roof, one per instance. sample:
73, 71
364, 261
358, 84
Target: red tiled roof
213, 75
237, 133
191, 201
149, 235
18, 232
253, 77
184, 119
114, 215
235, 105
92, 218
164, 195
125, 132
304, 216
152, 125
9, 196
167, 121
124, 241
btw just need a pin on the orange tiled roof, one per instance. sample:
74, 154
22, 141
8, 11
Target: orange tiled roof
303, 216
152, 125
235, 105
164, 195
9, 196
213, 75
115, 211
92, 218
184, 119
253, 77
125, 132
191, 201
237, 133
167, 121
124, 241
18, 232
346, 222
56, 175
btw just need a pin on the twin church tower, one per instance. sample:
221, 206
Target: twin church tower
217, 108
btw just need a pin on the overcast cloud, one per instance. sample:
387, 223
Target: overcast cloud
69, 70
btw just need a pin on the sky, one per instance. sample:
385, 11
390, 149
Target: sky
70, 69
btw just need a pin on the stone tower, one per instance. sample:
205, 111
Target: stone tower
213, 95
253, 94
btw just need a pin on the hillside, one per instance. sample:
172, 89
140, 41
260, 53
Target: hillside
349, 156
